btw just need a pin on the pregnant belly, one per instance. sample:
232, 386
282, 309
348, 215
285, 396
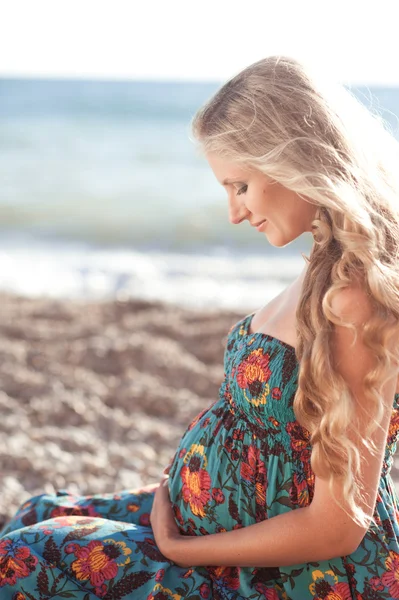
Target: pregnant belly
211, 477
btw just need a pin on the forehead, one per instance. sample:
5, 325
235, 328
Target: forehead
226, 170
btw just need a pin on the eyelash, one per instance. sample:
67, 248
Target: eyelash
240, 191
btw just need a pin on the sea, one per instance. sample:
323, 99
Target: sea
104, 195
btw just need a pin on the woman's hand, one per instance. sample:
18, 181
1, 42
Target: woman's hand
167, 468
163, 524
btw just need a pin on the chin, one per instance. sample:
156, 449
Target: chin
281, 242
275, 240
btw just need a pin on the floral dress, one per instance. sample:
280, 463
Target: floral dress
243, 459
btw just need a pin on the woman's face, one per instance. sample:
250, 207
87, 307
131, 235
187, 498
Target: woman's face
255, 197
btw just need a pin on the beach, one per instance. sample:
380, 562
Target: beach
96, 395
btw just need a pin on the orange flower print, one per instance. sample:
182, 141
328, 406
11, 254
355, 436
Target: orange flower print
229, 577
97, 561
187, 574
300, 440
276, 393
274, 422
178, 514
196, 486
391, 578
16, 561
238, 434
252, 375
204, 590
196, 480
268, 593
253, 471
144, 519
299, 492
325, 585
162, 592
376, 584
218, 495
72, 521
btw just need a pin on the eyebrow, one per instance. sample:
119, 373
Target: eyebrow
225, 181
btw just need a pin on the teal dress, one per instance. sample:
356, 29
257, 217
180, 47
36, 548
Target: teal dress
243, 459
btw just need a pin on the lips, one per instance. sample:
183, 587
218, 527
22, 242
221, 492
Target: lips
260, 223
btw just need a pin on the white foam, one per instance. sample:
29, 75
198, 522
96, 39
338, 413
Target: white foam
202, 281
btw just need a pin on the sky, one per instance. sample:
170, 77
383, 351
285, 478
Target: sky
352, 41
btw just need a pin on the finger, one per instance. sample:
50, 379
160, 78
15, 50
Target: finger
167, 468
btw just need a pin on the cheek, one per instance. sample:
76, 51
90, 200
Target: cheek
258, 201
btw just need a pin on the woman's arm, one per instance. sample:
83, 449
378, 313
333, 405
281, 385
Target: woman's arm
287, 539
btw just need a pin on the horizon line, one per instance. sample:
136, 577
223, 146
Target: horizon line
108, 78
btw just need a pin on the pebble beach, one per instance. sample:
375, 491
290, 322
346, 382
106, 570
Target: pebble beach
95, 396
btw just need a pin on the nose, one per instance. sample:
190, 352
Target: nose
234, 214
236, 220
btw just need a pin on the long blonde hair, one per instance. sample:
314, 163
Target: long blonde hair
317, 139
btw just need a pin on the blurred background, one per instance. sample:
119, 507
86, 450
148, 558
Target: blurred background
115, 248
102, 193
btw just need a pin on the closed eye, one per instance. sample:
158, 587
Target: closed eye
242, 190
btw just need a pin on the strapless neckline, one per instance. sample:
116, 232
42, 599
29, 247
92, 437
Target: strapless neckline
247, 325
291, 349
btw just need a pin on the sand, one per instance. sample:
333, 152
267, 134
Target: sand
94, 397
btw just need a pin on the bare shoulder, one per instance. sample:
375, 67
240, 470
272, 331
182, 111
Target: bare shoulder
353, 303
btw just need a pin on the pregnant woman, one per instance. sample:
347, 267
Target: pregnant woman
281, 489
